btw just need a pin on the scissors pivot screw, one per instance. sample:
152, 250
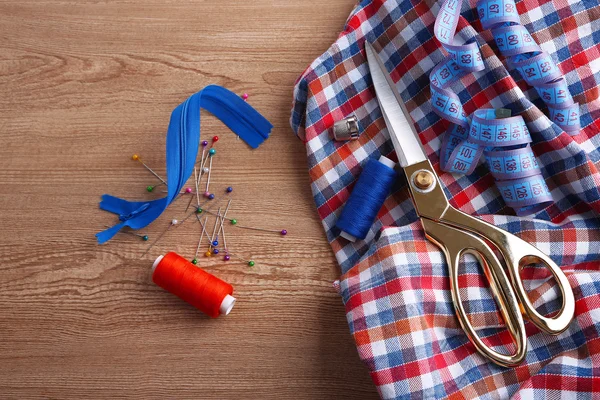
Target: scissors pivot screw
423, 179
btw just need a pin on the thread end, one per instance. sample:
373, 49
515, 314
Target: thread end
387, 162
227, 304
348, 236
156, 262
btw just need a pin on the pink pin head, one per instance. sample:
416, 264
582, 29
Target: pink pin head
188, 190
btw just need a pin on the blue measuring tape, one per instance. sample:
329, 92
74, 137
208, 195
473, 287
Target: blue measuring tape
183, 137
535, 66
504, 140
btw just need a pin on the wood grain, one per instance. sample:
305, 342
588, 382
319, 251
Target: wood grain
83, 86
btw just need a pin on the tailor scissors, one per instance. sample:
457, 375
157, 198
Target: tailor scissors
457, 233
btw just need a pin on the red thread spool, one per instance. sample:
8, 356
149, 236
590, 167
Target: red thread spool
193, 285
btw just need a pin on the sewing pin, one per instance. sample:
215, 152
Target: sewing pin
197, 191
224, 216
203, 164
203, 152
211, 153
203, 169
143, 237
198, 210
195, 260
282, 232
135, 157
226, 257
204, 144
209, 173
250, 263
212, 213
186, 191
189, 203
212, 238
173, 223
215, 236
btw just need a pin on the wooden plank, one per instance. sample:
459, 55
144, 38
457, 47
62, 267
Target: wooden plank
85, 84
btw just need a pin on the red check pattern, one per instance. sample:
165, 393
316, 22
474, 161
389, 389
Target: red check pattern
394, 284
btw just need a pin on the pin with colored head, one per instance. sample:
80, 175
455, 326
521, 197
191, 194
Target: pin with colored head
210, 169
250, 263
282, 232
185, 191
173, 223
143, 237
136, 157
213, 237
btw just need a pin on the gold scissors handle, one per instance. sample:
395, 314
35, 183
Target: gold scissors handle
517, 254
457, 233
465, 243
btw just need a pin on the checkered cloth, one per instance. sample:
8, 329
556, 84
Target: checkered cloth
394, 284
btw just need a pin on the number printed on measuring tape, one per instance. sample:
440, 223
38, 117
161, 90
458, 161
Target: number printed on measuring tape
497, 11
524, 192
554, 92
513, 40
489, 131
535, 66
512, 164
537, 70
568, 117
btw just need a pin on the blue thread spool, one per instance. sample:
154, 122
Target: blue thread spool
366, 199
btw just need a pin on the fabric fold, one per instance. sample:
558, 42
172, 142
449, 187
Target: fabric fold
394, 284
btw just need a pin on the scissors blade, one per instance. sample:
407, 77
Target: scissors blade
402, 132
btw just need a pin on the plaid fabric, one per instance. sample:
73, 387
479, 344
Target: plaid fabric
394, 284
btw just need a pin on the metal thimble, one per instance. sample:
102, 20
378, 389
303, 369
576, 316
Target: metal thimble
346, 129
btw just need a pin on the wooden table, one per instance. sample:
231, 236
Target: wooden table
83, 86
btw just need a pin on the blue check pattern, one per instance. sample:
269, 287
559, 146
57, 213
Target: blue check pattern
394, 284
